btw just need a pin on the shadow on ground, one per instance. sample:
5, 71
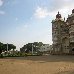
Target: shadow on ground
66, 72
49, 58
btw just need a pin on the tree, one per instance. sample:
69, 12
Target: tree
28, 47
10, 46
1, 47
23, 49
40, 44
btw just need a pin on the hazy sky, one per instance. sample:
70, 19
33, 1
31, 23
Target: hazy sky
25, 21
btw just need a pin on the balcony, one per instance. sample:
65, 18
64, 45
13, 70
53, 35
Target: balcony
71, 38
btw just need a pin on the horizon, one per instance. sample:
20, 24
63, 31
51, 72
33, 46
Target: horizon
25, 21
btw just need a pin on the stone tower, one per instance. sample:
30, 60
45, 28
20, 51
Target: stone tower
60, 35
63, 34
70, 22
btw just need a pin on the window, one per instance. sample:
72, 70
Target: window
47, 47
72, 33
73, 21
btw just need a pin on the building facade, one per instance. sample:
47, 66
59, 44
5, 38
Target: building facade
63, 34
44, 48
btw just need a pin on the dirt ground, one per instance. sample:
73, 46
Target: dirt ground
52, 64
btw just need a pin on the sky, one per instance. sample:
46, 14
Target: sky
27, 21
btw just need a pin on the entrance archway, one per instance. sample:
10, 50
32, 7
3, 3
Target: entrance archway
65, 45
72, 49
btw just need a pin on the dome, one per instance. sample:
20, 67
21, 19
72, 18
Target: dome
73, 11
58, 15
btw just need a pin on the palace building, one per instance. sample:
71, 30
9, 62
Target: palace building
63, 34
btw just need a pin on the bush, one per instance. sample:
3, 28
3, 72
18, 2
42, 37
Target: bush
1, 55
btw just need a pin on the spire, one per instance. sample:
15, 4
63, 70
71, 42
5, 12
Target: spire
64, 18
58, 12
58, 15
73, 11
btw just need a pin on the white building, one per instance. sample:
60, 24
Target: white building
45, 47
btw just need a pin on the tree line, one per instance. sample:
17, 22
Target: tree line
3, 47
28, 47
